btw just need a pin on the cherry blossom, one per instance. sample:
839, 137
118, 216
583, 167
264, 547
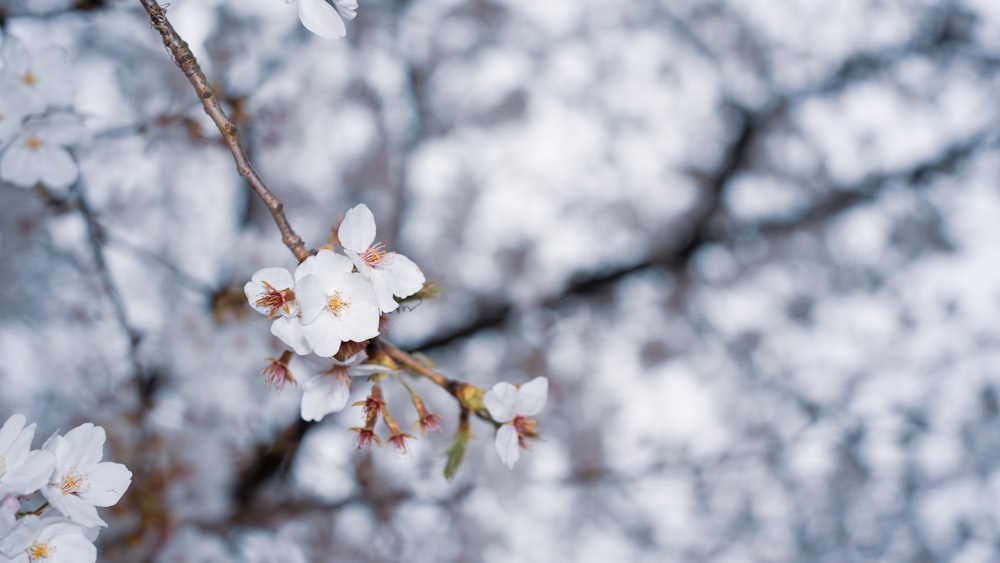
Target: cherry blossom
38, 154
271, 291
337, 304
52, 540
328, 392
42, 77
22, 471
326, 18
391, 274
511, 406
81, 481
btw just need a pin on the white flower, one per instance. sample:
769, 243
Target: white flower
38, 153
390, 273
48, 540
328, 392
22, 471
43, 77
271, 291
337, 304
81, 481
326, 18
511, 406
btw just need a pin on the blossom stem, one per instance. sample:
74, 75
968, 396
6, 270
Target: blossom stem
186, 61
469, 397
36, 512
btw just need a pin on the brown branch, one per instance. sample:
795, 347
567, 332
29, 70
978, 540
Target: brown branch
413, 366
184, 58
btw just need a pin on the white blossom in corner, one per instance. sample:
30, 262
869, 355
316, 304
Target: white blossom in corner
38, 153
511, 406
22, 471
41, 77
391, 274
326, 17
81, 481
47, 540
328, 392
337, 304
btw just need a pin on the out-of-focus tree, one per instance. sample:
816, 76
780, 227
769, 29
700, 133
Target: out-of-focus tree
750, 245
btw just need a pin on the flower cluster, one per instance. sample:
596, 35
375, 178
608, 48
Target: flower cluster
332, 309
73, 480
331, 306
36, 124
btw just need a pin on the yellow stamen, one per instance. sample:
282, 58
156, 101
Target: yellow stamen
374, 254
29, 78
336, 303
39, 551
74, 482
34, 143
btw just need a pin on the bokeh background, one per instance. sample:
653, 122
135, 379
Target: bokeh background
754, 246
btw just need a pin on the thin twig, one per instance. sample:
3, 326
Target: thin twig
185, 60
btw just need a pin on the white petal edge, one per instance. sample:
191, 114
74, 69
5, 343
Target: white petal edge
507, 446
322, 19
357, 230
531, 396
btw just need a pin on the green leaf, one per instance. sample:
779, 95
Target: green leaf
456, 452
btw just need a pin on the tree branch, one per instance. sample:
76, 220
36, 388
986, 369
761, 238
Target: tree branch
185, 60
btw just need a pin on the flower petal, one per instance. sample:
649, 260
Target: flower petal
359, 321
289, 331
323, 395
29, 476
321, 19
324, 335
357, 230
109, 481
312, 298
500, 401
506, 445
531, 396
19, 165
58, 169
84, 446
406, 278
73, 507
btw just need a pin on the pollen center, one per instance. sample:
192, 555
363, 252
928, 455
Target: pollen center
374, 255
274, 299
29, 79
336, 303
40, 551
74, 482
33, 143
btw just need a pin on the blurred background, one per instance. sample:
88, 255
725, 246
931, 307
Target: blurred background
752, 245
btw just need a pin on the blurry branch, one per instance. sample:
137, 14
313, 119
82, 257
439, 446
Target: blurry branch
96, 240
843, 198
269, 459
185, 60
703, 230
700, 231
